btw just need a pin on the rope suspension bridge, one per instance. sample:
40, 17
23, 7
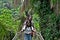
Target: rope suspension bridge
20, 36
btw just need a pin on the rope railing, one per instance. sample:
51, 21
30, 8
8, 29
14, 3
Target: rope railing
39, 35
20, 36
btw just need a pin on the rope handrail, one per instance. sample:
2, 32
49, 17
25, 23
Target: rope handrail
39, 35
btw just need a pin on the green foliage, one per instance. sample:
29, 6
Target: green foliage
49, 22
7, 24
36, 5
36, 21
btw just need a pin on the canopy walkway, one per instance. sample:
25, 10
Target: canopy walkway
20, 36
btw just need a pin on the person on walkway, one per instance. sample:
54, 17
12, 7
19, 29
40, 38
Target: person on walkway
28, 30
29, 17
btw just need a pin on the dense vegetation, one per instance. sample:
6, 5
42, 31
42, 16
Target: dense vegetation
45, 19
49, 21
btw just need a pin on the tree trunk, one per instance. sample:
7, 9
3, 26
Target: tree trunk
16, 2
25, 5
57, 7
